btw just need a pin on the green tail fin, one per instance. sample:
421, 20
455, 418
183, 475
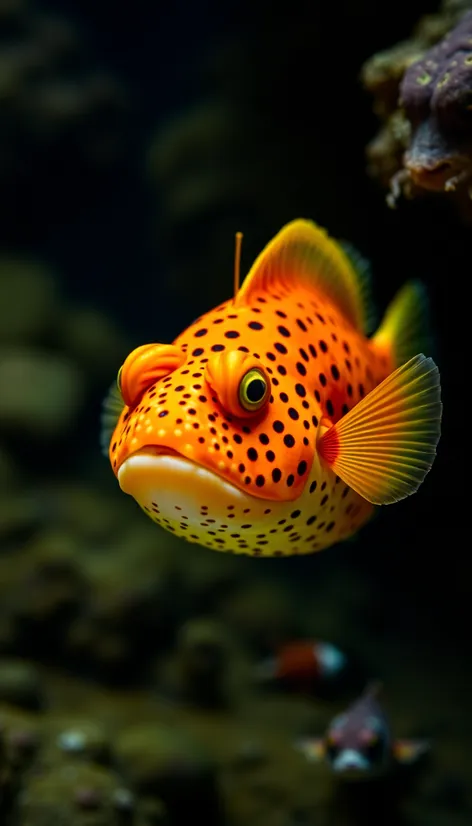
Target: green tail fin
405, 329
112, 409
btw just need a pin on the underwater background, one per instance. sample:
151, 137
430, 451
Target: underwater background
135, 140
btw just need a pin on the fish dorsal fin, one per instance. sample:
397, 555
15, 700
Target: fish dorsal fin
374, 689
303, 253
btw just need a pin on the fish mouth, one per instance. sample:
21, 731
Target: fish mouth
350, 763
153, 450
165, 483
152, 461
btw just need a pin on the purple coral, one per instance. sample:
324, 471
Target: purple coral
441, 82
436, 94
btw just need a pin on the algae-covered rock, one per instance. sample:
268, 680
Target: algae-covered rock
9, 471
20, 684
104, 597
248, 754
82, 738
94, 515
197, 670
19, 742
260, 613
20, 517
131, 610
208, 580
41, 393
391, 154
151, 812
165, 762
42, 591
22, 735
5, 775
418, 815
70, 794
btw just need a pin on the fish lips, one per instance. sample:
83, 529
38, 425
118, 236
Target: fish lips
170, 484
157, 465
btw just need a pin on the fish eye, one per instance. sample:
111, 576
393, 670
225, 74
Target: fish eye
253, 390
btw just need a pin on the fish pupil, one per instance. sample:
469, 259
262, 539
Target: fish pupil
255, 390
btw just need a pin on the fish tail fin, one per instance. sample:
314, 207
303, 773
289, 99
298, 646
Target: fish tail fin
384, 447
405, 328
313, 748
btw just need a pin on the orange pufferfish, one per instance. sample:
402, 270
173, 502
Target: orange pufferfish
273, 425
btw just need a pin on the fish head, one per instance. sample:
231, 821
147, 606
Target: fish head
209, 434
218, 434
357, 743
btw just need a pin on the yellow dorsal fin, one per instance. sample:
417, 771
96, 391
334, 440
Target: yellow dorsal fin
303, 253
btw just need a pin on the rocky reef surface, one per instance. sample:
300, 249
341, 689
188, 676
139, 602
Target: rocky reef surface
391, 78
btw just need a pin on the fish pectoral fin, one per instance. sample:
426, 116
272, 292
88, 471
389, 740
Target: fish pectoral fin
313, 748
408, 751
112, 408
384, 447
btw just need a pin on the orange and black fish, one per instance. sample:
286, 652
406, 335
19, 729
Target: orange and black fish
273, 424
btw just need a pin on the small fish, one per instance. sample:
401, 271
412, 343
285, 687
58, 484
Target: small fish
272, 425
303, 664
358, 744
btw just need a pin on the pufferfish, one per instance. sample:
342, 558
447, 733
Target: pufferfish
273, 425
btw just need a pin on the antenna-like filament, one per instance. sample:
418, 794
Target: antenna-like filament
237, 263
